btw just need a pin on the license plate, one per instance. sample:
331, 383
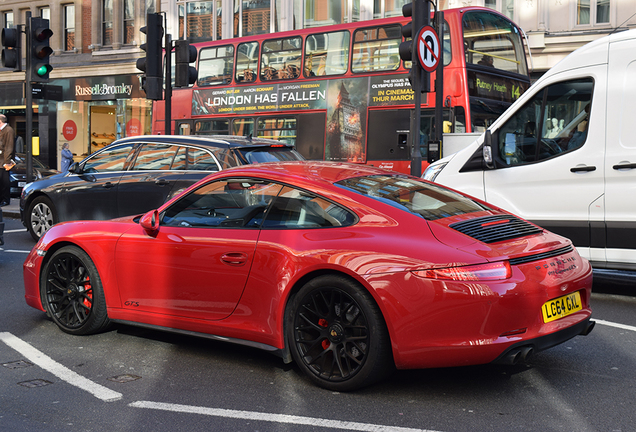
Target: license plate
21, 184
561, 307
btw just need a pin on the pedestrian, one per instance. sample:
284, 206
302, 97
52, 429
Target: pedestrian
67, 157
7, 153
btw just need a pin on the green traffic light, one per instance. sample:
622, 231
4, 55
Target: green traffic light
42, 70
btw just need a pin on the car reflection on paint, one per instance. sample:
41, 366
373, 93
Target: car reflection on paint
350, 271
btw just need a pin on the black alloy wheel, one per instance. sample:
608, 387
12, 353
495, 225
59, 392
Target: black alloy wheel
338, 336
41, 216
72, 292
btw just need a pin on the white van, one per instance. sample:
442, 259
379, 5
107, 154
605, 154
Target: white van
564, 155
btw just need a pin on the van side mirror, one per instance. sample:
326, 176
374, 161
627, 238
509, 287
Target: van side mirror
488, 154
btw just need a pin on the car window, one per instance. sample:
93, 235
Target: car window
294, 208
269, 154
110, 159
155, 157
424, 199
554, 121
201, 160
235, 203
225, 158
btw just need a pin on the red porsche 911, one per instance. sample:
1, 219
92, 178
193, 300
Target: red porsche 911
348, 270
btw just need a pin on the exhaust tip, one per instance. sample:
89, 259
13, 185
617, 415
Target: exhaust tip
588, 329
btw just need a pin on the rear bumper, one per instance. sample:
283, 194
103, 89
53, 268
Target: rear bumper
521, 351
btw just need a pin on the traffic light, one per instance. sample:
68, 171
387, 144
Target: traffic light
152, 64
184, 74
40, 50
419, 12
12, 49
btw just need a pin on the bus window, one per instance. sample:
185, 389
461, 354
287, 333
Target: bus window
246, 62
278, 128
243, 126
492, 41
326, 54
216, 65
376, 49
212, 127
280, 59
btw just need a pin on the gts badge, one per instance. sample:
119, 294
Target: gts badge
132, 303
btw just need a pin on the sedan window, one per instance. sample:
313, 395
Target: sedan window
110, 159
154, 157
234, 203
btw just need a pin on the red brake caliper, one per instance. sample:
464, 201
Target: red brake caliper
323, 323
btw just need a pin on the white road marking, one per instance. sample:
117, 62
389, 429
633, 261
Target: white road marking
16, 230
612, 324
37, 357
15, 251
275, 418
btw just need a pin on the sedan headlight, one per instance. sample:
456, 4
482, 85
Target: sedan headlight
433, 171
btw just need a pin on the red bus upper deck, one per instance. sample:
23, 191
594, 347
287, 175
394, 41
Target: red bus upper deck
341, 92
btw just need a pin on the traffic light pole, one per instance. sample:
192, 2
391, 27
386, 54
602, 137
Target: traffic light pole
168, 85
28, 99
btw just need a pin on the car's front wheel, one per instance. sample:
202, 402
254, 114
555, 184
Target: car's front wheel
337, 334
72, 293
41, 216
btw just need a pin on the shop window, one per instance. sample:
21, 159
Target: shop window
246, 62
326, 54
256, 17
203, 20
376, 49
129, 21
320, 13
216, 65
280, 59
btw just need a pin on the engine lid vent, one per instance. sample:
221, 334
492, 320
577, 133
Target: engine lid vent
491, 229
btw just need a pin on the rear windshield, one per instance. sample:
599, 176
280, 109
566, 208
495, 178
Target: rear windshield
269, 154
423, 199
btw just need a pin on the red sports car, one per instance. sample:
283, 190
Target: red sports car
347, 270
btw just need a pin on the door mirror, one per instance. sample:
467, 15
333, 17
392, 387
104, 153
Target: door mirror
488, 155
150, 222
75, 168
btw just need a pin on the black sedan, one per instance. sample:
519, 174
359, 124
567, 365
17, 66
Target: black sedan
18, 173
136, 174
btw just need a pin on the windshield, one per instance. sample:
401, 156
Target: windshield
269, 154
423, 199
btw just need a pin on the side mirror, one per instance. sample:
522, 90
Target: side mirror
488, 154
75, 168
150, 222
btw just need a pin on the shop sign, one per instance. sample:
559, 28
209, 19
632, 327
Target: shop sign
100, 88
133, 127
69, 130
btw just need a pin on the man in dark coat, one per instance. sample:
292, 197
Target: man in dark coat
7, 153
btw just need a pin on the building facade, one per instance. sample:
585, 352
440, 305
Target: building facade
96, 44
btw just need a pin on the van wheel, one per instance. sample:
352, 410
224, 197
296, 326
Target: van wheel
41, 216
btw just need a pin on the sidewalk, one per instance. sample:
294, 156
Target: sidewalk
12, 210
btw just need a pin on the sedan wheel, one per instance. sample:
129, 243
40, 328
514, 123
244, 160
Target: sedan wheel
72, 292
42, 217
338, 336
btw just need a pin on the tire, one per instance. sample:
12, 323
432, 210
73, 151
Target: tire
72, 293
41, 217
337, 334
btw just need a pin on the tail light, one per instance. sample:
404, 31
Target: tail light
482, 272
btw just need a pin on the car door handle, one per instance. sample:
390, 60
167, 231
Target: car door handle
162, 182
624, 166
108, 185
583, 169
234, 258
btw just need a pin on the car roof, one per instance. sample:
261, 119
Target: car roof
221, 141
330, 172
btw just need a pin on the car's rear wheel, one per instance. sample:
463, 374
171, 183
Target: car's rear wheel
337, 334
41, 217
72, 293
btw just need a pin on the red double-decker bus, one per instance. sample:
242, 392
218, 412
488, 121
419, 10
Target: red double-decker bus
341, 92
